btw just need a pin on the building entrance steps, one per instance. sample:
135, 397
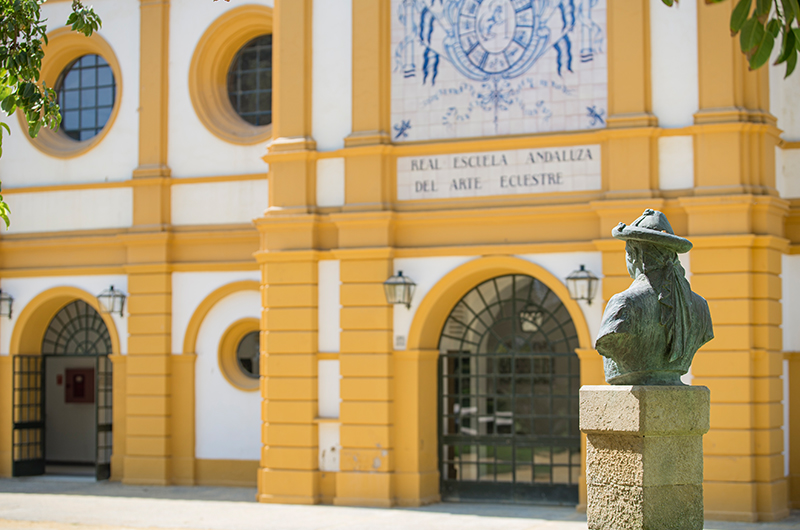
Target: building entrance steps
67, 503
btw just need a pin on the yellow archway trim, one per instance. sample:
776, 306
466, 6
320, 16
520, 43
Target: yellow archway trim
208, 73
33, 321
190, 339
63, 47
442, 298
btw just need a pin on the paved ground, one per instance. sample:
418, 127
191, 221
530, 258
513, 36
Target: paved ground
51, 503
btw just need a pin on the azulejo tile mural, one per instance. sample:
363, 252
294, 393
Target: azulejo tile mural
468, 68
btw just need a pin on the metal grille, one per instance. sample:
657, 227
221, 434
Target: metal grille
77, 330
86, 94
509, 380
28, 437
250, 81
104, 417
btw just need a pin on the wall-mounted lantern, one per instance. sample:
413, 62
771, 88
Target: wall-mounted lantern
399, 289
582, 285
111, 301
6, 303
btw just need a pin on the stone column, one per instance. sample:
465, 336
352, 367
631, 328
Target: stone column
644, 456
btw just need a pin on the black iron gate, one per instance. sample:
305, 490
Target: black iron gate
77, 330
509, 380
28, 434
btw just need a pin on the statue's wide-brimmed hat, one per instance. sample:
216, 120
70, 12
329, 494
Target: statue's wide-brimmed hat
652, 227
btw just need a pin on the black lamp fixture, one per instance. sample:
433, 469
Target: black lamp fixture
582, 285
6, 302
399, 289
111, 301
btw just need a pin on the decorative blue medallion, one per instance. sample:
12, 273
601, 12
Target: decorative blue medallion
479, 62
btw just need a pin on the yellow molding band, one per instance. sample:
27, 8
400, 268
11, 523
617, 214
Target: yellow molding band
144, 181
327, 356
789, 145
190, 339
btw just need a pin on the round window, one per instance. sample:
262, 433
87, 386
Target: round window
250, 81
247, 354
86, 92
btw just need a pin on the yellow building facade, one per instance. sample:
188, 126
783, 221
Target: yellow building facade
471, 145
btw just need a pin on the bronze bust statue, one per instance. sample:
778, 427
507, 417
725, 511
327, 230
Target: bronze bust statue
651, 331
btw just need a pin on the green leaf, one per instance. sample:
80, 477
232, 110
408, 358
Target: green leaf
752, 33
668, 2
4, 212
796, 32
791, 62
5, 126
763, 7
762, 53
787, 47
739, 15
774, 27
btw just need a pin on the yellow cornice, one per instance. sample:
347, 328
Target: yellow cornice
141, 181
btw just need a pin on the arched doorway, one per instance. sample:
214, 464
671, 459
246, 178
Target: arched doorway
63, 397
508, 395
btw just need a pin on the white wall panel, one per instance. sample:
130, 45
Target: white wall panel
114, 158
228, 420
675, 162
332, 73
219, 202
191, 288
330, 182
194, 151
328, 395
787, 172
329, 446
790, 266
784, 99
23, 290
673, 62
70, 210
328, 305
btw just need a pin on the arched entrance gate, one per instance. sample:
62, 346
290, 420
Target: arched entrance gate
508, 395
63, 396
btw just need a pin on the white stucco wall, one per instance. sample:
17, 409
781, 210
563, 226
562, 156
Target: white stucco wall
228, 420
332, 73
114, 158
23, 290
191, 288
675, 162
194, 151
328, 306
673, 62
427, 272
790, 265
54, 211
219, 202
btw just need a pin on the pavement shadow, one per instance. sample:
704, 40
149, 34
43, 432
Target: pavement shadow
517, 511
68, 485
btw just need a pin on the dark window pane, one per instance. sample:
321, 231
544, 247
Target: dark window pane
70, 99
248, 103
71, 120
104, 76
86, 92
72, 80
88, 97
105, 96
88, 77
250, 81
103, 114
249, 60
88, 118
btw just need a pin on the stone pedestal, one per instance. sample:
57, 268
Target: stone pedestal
644, 456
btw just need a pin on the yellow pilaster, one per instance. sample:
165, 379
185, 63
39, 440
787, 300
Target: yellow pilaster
182, 424
628, 155
592, 373
793, 402
289, 470
367, 460
739, 275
